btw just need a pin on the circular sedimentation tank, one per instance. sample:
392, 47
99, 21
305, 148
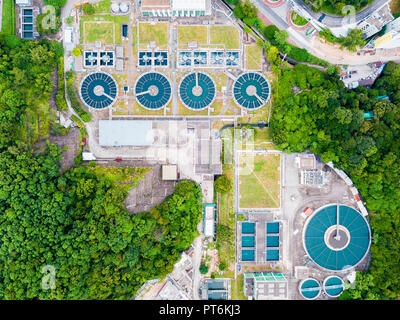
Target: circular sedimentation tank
333, 286
153, 90
251, 90
336, 237
310, 288
197, 91
98, 90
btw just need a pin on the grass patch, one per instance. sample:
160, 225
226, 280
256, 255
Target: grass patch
99, 31
253, 57
139, 110
240, 288
192, 33
227, 35
103, 20
153, 32
121, 108
126, 178
8, 18
259, 186
102, 6
298, 20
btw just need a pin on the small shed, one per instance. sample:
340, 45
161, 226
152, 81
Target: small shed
169, 172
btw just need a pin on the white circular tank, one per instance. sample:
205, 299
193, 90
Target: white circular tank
115, 7
124, 7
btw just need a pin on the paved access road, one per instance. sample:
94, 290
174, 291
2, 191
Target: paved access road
332, 21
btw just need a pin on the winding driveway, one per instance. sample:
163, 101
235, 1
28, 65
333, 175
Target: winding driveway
334, 21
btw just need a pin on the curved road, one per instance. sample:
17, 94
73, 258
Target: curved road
334, 21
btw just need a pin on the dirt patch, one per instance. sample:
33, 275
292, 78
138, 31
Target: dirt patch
150, 192
71, 142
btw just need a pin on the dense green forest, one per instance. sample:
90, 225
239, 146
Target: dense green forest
74, 221
327, 119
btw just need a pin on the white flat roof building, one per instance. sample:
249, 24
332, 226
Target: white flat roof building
175, 8
23, 3
114, 133
69, 38
209, 221
169, 172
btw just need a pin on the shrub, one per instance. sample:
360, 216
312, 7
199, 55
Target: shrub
78, 159
223, 184
238, 13
249, 21
222, 266
85, 117
75, 104
269, 33
76, 52
69, 20
88, 9
203, 268
75, 119
60, 97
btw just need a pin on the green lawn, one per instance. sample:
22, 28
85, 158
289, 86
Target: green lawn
104, 30
99, 31
102, 6
8, 17
227, 35
127, 178
153, 32
253, 57
240, 289
259, 184
192, 33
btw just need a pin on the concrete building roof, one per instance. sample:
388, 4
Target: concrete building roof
23, 2
209, 221
169, 172
119, 51
119, 64
125, 133
375, 22
155, 4
88, 156
189, 4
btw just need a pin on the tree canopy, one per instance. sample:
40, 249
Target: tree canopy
74, 221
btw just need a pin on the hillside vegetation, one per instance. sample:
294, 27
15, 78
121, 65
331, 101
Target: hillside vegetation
327, 119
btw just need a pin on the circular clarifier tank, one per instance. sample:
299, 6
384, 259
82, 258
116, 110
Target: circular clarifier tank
197, 91
153, 90
310, 289
336, 237
251, 90
333, 286
98, 90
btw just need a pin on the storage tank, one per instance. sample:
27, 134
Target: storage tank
124, 7
333, 286
310, 289
115, 7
